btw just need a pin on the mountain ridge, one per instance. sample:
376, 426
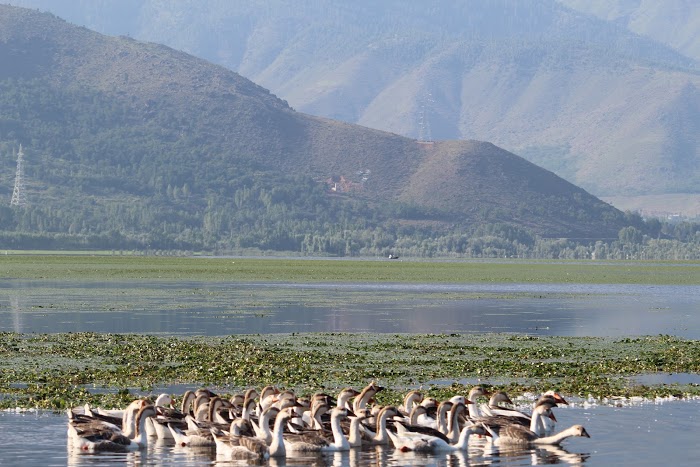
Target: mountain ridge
165, 144
585, 98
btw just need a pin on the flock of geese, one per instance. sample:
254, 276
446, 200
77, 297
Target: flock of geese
275, 423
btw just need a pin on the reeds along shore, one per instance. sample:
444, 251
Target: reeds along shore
278, 423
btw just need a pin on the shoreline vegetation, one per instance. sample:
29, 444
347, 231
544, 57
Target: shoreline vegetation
55, 371
309, 270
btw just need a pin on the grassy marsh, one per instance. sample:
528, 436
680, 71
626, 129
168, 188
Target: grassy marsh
108, 268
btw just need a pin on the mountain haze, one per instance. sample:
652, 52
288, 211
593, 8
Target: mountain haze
675, 23
141, 140
609, 110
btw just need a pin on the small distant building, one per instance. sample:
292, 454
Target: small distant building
340, 184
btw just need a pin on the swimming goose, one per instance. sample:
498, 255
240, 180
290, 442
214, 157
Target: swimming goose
406, 441
163, 403
495, 407
109, 438
344, 397
548, 424
360, 402
262, 428
314, 441
518, 435
474, 394
232, 446
410, 400
125, 422
266, 398
197, 434
380, 436
535, 422
200, 406
354, 432
455, 415
413, 425
169, 415
277, 447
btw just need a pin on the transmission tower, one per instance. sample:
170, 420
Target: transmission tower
19, 197
424, 132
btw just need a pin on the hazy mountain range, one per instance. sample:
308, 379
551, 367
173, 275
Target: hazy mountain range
131, 140
605, 95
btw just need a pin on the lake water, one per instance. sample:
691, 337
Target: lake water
186, 308
643, 433
640, 434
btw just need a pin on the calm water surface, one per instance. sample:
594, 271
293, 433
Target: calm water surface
186, 308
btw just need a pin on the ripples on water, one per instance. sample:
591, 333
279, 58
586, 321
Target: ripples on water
643, 433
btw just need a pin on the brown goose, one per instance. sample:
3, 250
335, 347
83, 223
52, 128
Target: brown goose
519, 436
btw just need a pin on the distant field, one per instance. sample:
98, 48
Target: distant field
105, 268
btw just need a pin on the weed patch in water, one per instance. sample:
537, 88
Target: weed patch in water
54, 371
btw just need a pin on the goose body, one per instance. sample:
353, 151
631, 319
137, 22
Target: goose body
108, 437
410, 441
234, 446
517, 435
380, 437
197, 434
314, 442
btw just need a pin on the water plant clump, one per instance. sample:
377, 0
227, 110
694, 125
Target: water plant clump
54, 371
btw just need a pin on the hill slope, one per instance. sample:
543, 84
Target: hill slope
675, 23
146, 142
611, 111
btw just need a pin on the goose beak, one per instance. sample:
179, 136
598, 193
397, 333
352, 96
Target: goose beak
552, 417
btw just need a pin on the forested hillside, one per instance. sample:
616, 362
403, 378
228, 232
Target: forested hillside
613, 111
130, 145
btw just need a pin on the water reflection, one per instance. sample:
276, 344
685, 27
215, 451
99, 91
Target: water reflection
16, 313
186, 308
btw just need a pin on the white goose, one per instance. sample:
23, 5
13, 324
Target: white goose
198, 433
453, 417
429, 429
163, 401
354, 432
411, 400
106, 437
277, 447
410, 441
380, 436
313, 441
344, 397
474, 394
262, 428
548, 424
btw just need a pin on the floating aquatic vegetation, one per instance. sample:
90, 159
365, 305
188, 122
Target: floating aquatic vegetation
58, 370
